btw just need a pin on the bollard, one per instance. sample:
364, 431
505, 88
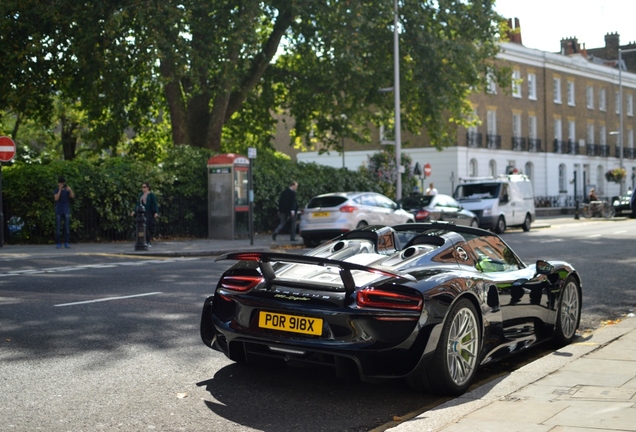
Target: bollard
140, 217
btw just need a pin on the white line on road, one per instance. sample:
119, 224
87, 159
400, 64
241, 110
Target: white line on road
594, 235
107, 299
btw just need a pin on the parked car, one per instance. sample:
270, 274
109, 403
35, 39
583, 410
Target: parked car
438, 207
329, 215
499, 202
426, 302
621, 205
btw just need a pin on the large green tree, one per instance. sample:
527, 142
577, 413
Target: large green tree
225, 67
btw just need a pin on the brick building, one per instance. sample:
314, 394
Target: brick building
560, 121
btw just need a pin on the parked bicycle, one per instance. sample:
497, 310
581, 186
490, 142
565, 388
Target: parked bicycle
598, 209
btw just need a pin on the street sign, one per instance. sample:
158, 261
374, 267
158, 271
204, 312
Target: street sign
427, 169
7, 149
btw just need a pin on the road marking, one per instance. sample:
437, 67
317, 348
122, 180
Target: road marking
107, 299
94, 266
594, 235
620, 232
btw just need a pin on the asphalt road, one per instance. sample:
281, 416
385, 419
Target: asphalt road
112, 343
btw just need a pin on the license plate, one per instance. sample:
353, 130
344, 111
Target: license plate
321, 214
290, 323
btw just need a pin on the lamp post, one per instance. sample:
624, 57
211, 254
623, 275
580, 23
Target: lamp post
620, 108
396, 94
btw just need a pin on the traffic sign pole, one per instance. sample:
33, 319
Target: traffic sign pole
7, 152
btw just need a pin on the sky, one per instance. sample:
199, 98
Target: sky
544, 23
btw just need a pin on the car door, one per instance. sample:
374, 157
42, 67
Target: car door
448, 208
370, 209
523, 297
387, 209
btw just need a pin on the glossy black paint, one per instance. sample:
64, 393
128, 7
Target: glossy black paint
437, 262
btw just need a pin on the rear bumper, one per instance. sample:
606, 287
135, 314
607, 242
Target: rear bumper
371, 357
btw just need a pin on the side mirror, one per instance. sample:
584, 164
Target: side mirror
544, 267
504, 199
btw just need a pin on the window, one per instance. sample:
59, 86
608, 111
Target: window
600, 177
528, 170
602, 135
492, 168
572, 130
556, 85
602, 100
516, 83
571, 93
630, 138
532, 127
558, 129
532, 86
590, 133
563, 181
491, 86
630, 105
589, 96
472, 168
617, 104
493, 254
491, 118
516, 125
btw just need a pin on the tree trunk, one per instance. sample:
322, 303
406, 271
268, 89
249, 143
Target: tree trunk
69, 139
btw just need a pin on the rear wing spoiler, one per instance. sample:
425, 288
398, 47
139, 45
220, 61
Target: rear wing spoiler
265, 260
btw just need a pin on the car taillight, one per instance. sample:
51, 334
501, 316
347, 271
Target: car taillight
348, 209
421, 215
240, 283
378, 298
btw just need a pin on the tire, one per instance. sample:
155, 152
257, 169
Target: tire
474, 223
608, 212
569, 313
586, 212
526, 223
361, 224
453, 366
501, 225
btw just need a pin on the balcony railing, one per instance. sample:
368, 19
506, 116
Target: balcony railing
604, 150
474, 139
534, 145
559, 146
493, 141
518, 144
573, 147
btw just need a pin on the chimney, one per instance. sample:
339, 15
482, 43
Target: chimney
518, 31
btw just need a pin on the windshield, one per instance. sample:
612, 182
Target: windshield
477, 191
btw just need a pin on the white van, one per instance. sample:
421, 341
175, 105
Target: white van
499, 202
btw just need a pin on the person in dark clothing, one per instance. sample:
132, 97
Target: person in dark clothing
62, 195
149, 200
287, 208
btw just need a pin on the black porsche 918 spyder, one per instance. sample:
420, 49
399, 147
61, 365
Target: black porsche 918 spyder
428, 302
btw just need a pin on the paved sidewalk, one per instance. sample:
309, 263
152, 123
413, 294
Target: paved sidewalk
587, 386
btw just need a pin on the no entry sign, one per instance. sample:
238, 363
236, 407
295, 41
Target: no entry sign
7, 149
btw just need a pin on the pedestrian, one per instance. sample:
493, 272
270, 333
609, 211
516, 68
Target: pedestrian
287, 208
592, 195
63, 195
149, 200
431, 190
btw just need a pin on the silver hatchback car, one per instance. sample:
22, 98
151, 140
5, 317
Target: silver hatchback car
329, 215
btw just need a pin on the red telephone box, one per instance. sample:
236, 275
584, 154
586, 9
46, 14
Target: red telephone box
228, 201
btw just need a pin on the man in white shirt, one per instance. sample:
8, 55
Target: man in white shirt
431, 190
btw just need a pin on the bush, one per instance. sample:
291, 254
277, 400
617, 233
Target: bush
106, 193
